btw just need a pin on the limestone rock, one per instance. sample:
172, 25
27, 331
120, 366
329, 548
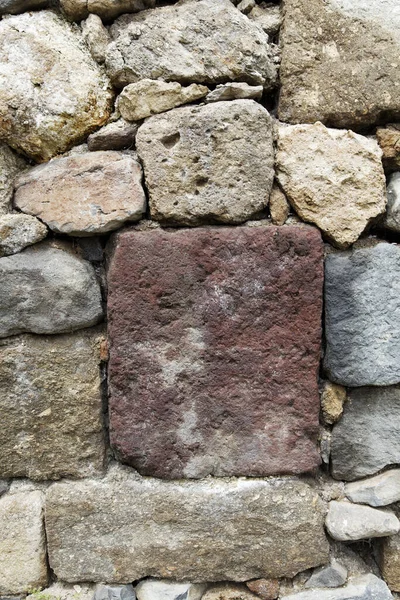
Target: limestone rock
278, 206
245, 6
330, 576
18, 231
188, 531
62, 591
380, 490
333, 398
151, 96
267, 15
13, 7
328, 72
366, 438
11, 165
392, 217
266, 589
366, 587
115, 592
235, 91
87, 194
22, 543
212, 162
52, 93
117, 135
229, 591
96, 37
194, 41
333, 178
350, 522
51, 406
162, 589
389, 561
389, 140
46, 289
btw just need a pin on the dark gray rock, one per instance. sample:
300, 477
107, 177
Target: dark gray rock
366, 587
331, 576
13, 7
115, 592
4, 485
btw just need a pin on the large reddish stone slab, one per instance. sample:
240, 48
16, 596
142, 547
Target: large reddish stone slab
215, 346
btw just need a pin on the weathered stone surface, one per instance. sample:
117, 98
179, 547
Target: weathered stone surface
11, 165
84, 194
18, 231
212, 162
205, 322
52, 93
278, 206
366, 438
392, 217
4, 485
14, 7
62, 591
245, 6
96, 37
46, 289
151, 96
389, 561
117, 135
380, 490
22, 543
266, 589
366, 587
77, 10
389, 140
333, 178
331, 576
333, 397
350, 522
194, 41
267, 15
115, 592
328, 71
229, 591
362, 297
190, 531
51, 406
235, 91
162, 589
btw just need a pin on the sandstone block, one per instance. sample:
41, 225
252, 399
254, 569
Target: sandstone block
389, 140
84, 194
392, 217
46, 289
235, 91
194, 41
389, 561
333, 397
117, 135
185, 531
328, 72
333, 178
19, 231
362, 317
278, 206
11, 165
162, 589
380, 490
366, 587
52, 93
351, 522
13, 7
22, 543
214, 350
212, 162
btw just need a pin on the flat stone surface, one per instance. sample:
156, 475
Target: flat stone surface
185, 531
389, 561
84, 194
331, 576
194, 41
212, 162
13, 7
215, 337
52, 93
380, 490
11, 165
366, 438
366, 587
235, 91
332, 178
19, 231
348, 522
22, 543
328, 72
51, 406
389, 140
113, 136
46, 289
392, 217
362, 317
162, 589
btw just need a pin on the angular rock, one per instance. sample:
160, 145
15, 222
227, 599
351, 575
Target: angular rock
46, 289
266, 589
115, 592
205, 322
332, 178
84, 194
13, 7
362, 317
380, 490
366, 587
245, 6
11, 165
389, 140
332, 576
52, 93
19, 231
96, 37
278, 206
268, 16
350, 522
229, 591
113, 136
194, 41
235, 91
51, 406
190, 531
162, 589
62, 591
389, 561
392, 217
333, 397
22, 543
212, 162
76, 10
328, 72
149, 97
110, 9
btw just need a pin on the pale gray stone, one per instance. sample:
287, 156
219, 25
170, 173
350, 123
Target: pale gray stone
115, 592
362, 317
229, 591
162, 589
212, 162
11, 165
46, 289
4, 485
183, 530
392, 217
19, 231
380, 490
194, 41
245, 6
235, 91
366, 587
14, 7
332, 576
268, 16
347, 522
96, 37
117, 135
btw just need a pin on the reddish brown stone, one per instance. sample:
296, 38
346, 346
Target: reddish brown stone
215, 346
266, 589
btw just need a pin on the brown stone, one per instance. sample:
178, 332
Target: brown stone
333, 397
389, 140
389, 561
215, 345
266, 589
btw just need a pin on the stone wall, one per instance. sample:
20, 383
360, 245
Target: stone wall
200, 299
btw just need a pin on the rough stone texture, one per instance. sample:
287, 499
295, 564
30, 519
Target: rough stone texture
392, 217
245, 6
149, 97
115, 592
14, 7
333, 397
362, 317
212, 162
366, 438
235, 91
267, 15
113, 136
62, 591
96, 37
77, 10
266, 589
340, 62
191, 531
331, 576
22, 543
380, 490
351, 522
194, 41
162, 589
229, 591
230, 320
51, 406
389, 561
4, 485
18, 231
84, 194
278, 206
46, 289
333, 178
10, 166
366, 587
52, 93
389, 140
